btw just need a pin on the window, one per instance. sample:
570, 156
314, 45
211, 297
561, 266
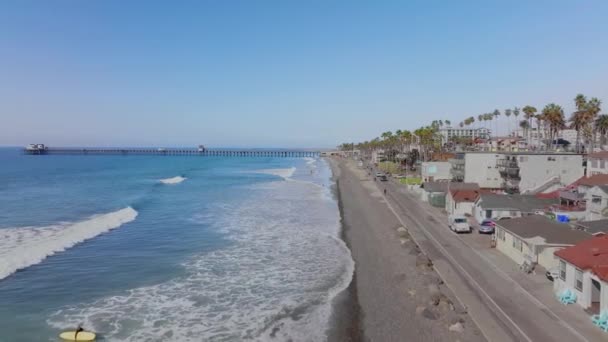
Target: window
513, 213
517, 244
593, 162
596, 199
562, 270
500, 234
578, 280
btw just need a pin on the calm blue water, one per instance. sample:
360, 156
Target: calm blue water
241, 249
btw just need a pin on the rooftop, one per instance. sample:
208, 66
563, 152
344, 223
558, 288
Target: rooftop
542, 230
442, 186
526, 203
464, 195
594, 227
600, 179
591, 254
599, 155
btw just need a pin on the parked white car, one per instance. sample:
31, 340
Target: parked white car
459, 224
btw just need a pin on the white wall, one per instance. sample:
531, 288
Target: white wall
436, 170
597, 166
506, 247
481, 168
537, 169
459, 209
480, 213
583, 298
594, 210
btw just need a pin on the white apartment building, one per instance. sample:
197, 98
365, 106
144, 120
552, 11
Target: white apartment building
523, 172
451, 132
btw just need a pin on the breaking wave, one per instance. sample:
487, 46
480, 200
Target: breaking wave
283, 173
174, 180
22, 247
275, 282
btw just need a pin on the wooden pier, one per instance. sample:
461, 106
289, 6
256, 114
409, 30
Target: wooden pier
43, 150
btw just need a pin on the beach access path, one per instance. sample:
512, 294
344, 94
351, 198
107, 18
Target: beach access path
400, 297
501, 307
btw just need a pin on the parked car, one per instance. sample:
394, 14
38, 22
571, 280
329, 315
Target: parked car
459, 224
487, 226
379, 174
552, 273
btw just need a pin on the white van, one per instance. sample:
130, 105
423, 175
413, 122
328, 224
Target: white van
459, 224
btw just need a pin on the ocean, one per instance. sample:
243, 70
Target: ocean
168, 248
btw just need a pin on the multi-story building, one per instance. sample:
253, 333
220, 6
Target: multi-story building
597, 163
448, 133
519, 172
539, 172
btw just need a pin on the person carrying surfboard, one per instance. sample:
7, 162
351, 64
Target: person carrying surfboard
78, 330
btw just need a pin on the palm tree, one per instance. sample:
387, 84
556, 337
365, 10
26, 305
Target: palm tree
525, 126
515, 113
554, 115
593, 109
496, 114
508, 114
601, 127
529, 112
578, 122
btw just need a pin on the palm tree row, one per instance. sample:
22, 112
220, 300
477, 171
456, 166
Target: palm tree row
586, 120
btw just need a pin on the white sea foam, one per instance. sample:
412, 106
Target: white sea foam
310, 161
283, 173
25, 246
275, 282
173, 180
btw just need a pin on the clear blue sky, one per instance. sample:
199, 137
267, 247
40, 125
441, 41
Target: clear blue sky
284, 73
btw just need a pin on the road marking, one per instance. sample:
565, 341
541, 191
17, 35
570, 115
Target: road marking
507, 277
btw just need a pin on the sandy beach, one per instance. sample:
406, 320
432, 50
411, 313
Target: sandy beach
395, 294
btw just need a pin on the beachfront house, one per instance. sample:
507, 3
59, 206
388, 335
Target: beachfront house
583, 268
597, 203
597, 163
459, 202
494, 206
534, 239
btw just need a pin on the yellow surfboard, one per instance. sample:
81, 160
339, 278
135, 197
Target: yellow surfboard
82, 336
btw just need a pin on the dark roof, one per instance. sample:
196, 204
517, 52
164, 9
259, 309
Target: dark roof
594, 227
591, 254
525, 203
435, 186
438, 186
552, 232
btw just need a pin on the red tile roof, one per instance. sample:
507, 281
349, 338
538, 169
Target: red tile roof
599, 155
600, 179
464, 195
590, 254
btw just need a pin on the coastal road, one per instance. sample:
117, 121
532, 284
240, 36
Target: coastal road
501, 308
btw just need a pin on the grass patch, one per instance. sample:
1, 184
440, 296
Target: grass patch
411, 181
389, 167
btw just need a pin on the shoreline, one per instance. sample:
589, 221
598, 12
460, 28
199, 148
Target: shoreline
395, 293
345, 321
